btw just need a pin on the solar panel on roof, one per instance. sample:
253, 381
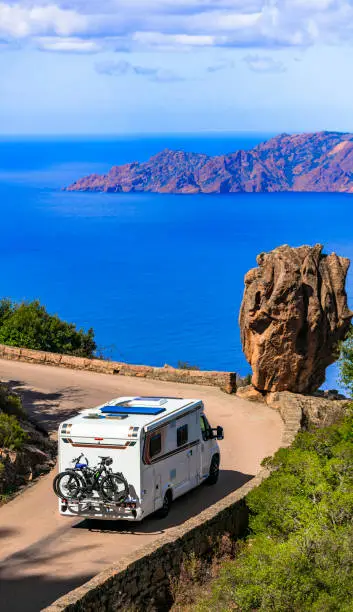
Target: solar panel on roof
133, 410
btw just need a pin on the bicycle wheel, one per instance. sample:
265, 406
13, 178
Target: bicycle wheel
67, 485
114, 488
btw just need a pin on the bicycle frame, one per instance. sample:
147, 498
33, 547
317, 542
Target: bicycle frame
91, 476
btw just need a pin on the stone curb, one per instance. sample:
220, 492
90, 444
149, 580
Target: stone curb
226, 381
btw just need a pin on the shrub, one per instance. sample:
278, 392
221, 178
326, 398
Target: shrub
29, 325
11, 404
12, 435
248, 379
185, 365
346, 361
299, 555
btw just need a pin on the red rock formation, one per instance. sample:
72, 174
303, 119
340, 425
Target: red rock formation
302, 162
293, 315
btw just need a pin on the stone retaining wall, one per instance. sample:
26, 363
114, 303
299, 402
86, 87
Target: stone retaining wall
306, 411
224, 380
141, 582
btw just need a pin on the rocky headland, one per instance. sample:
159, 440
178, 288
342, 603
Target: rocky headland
321, 162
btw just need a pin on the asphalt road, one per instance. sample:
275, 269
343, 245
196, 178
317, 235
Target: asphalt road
44, 555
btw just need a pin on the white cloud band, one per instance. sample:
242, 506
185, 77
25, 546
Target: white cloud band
179, 23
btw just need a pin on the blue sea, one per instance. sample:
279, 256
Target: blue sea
158, 277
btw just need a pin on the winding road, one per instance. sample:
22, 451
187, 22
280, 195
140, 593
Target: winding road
44, 555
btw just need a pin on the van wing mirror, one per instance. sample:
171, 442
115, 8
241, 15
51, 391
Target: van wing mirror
218, 432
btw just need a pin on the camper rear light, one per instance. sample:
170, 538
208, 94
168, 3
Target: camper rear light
99, 439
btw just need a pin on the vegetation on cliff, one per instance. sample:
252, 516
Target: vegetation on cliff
29, 325
25, 450
346, 362
299, 554
12, 436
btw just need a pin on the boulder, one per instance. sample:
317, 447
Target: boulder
293, 315
248, 392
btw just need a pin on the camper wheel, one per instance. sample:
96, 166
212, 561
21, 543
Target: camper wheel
214, 471
167, 502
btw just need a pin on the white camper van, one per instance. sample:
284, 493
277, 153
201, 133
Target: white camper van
133, 456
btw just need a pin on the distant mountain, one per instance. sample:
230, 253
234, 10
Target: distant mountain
302, 162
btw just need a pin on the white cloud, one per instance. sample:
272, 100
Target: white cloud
182, 24
123, 68
257, 63
158, 39
17, 21
67, 45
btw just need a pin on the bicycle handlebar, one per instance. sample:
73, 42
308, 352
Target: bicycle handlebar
77, 460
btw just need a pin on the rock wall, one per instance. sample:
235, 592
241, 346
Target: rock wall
227, 381
293, 315
307, 411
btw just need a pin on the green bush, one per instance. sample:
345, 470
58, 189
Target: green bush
299, 555
12, 435
11, 404
29, 325
346, 361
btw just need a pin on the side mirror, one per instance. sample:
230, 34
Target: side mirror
220, 433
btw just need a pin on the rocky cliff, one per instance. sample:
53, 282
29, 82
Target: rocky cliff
293, 315
302, 162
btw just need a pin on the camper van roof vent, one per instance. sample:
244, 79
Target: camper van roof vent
125, 410
160, 401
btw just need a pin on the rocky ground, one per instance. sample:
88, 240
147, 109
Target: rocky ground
321, 409
34, 457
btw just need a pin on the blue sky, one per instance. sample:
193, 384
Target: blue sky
132, 66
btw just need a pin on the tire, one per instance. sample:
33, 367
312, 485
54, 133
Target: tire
114, 488
55, 484
68, 485
214, 471
167, 502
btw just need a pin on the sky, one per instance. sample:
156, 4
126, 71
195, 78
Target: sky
148, 66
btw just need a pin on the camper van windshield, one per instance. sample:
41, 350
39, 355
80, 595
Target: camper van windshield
206, 430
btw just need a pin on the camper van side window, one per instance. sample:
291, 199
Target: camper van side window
155, 445
182, 435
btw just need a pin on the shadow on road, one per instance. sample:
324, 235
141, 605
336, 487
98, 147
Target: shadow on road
5, 532
23, 586
33, 593
183, 508
46, 408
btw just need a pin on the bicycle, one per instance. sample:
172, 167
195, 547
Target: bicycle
81, 481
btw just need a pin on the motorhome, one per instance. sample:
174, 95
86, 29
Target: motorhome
163, 447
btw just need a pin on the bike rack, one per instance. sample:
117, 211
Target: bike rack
100, 502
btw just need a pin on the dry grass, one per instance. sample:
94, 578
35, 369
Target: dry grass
198, 573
